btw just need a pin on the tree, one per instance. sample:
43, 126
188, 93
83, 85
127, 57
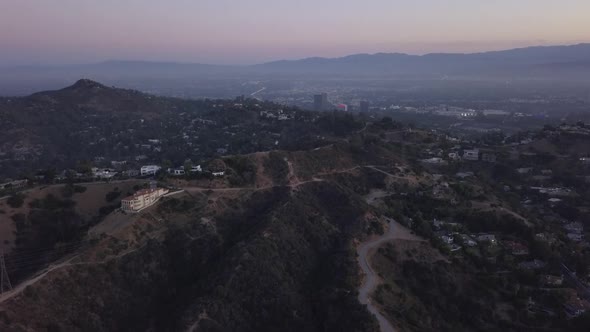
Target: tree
217, 165
166, 164
84, 167
188, 165
49, 175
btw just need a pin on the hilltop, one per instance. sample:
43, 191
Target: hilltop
89, 122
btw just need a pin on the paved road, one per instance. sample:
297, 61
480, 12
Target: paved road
371, 279
256, 92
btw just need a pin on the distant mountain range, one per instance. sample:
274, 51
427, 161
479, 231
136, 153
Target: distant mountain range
535, 61
561, 63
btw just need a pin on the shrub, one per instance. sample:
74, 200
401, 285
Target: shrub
79, 189
19, 220
112, 195
103, 211
15, 201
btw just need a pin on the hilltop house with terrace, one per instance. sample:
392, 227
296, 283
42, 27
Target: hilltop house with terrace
142, 199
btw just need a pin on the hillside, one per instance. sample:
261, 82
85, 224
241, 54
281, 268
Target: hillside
48, 127
91, 124
343, 225
279, 257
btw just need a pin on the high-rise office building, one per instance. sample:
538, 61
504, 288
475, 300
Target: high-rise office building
320, 102
364, 106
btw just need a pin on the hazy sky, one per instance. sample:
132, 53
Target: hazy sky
250, 31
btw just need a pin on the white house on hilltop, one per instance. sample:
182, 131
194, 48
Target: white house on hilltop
142, 199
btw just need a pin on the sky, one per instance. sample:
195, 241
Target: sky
39, 32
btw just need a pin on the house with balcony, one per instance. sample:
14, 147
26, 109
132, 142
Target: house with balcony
142, 199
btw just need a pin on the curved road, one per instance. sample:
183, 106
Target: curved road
371, 279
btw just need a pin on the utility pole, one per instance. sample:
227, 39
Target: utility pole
5, 284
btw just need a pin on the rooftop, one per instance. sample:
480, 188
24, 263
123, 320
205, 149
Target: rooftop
141, 193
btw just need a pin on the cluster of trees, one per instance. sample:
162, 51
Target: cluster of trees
276, 167
243, 171
339, 124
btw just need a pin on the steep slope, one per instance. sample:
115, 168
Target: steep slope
280, 259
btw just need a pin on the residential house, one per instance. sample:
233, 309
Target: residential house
575, 237
517, 249
574, 306
149, 170
486, 238
524, 170
176, 171
14, 184
468, 240
118, 164
454, 156
131, 173
463, 175
574, 227
103, 173
532, 265
448, 239
434, 161
472, 155
554, 281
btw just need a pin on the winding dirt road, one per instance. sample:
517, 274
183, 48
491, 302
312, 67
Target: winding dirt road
371, 279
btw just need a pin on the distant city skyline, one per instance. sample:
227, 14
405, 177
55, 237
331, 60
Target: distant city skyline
37, 32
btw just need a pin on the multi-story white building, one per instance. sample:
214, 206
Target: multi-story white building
142, 199
150, 170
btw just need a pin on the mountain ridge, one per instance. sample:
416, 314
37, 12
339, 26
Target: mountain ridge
549, 63
585, 47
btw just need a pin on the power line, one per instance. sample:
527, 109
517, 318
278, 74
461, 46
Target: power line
20, 255
4, 279
49, 248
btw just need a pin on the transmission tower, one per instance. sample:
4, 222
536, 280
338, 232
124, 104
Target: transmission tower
5, 284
